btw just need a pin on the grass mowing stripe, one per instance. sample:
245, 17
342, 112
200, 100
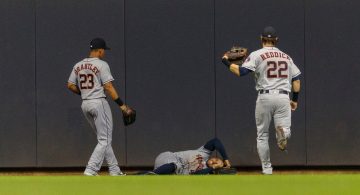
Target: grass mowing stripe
239, 184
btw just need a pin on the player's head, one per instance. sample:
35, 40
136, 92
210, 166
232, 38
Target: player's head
98, 47
215, 162
269, 36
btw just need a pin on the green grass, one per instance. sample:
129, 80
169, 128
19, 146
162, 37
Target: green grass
172, 185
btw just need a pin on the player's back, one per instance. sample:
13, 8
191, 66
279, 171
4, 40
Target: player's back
91, 74
273, 69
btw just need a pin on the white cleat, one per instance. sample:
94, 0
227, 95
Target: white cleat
267, 172
118, 174
90, 174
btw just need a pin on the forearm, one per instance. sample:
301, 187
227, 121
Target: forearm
296, 86
295, 90
235, 69
205, 171
73, 88
215, 144
111, 91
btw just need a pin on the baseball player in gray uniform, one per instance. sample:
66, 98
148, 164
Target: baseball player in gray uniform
276, 76
196, 161
90, 78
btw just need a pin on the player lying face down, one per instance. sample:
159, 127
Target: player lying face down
196, 161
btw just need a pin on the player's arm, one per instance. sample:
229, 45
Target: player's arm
208, 170
295, 92
74, 88
234, 68
216, 144
111, 91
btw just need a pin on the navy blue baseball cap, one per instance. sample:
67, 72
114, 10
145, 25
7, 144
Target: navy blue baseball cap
269, 32
98, 43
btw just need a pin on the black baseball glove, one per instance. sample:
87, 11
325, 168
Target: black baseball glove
225, 171
237, 55
129, 116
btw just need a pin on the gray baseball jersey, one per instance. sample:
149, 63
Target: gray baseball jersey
90, 74
187, 162
273, 69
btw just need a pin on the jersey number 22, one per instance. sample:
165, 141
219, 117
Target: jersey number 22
277, 69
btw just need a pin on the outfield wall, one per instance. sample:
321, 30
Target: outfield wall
165, 58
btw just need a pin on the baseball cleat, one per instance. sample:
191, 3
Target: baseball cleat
118, 174
281, 139
267, 172
90, 174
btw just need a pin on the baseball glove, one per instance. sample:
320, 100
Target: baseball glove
129, 116
225, 171
237, 55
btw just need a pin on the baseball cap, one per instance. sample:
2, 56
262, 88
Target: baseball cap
269, 32
98, 43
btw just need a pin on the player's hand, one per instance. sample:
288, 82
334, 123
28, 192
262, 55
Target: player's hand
227, 164
225, 56
293, 105
124, 108
218, 165
129, 115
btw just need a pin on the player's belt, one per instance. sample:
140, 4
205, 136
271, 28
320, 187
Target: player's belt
273, 91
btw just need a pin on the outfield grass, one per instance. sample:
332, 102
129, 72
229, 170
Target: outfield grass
234, 184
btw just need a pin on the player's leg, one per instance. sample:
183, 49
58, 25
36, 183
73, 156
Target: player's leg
100, 116
282, 120
166, 169
90, 112
165, 163
107, 122
263, 119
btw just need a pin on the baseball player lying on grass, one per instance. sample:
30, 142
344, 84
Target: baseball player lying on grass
196, 161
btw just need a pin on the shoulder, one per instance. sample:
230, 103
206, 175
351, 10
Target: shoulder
79, 63
259, 51
286, 54
253, 56
203, 150
100, 62
256, 54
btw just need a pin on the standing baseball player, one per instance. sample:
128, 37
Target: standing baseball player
91, 78
276, 76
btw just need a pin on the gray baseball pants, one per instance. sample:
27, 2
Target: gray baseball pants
268, 106
98, 113
165, 158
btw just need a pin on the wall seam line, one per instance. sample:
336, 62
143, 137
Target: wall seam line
125, 84
35, 85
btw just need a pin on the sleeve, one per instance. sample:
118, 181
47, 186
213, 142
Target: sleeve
295, 72
244, 71
105, 74
72, 78
250, 62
